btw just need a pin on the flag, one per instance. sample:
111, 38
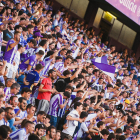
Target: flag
102, 59
107, 69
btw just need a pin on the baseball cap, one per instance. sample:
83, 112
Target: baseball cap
127, 101
38, 34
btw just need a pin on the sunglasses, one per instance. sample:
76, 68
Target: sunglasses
10, 113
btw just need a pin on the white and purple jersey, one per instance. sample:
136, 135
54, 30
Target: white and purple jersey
1, 52
7, 92
19, 134
54, 104
27, 53
46, 68
60, 66
10, 52
28, 61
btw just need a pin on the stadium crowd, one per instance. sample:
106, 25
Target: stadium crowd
50, 87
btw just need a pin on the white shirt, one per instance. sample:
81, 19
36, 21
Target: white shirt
83, 128
71, 124
40, 48
17, 61
3, 122
20, 134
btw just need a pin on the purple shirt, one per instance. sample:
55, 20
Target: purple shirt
54, 104
10, 52
28, 61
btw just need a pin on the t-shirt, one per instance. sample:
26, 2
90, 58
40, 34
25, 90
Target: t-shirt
61, 84
82, 130
31, 77
28, 61
54, 104
10, 52
3, 122
47, 85
71, 124
7, 35
19, 134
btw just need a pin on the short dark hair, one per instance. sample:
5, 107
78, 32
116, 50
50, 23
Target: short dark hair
111, 136
48, 116
38, 67
12, 97
25, 89
105, 132
33, 137
1, 110
28, 122
80, 91
100, 123
3, 132
83, 114
49, 129
50, 71
19, 46
41, 113
40, 126
67, 94
77, 104
122, 137
17, 27
69, 87
33, 42
24, 29
1, 96
1, 85
69, 57
8, 108
43, 42
66, 72
21, 99
119, 130
29, 106
40, 52
30, 26
16, 32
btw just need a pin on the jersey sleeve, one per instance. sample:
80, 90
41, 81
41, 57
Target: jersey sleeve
84, 127
36, 78
31, 60
60, 99
43, 81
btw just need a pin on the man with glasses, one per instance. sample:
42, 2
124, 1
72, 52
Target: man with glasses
14, 103
9, 114
128, 135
